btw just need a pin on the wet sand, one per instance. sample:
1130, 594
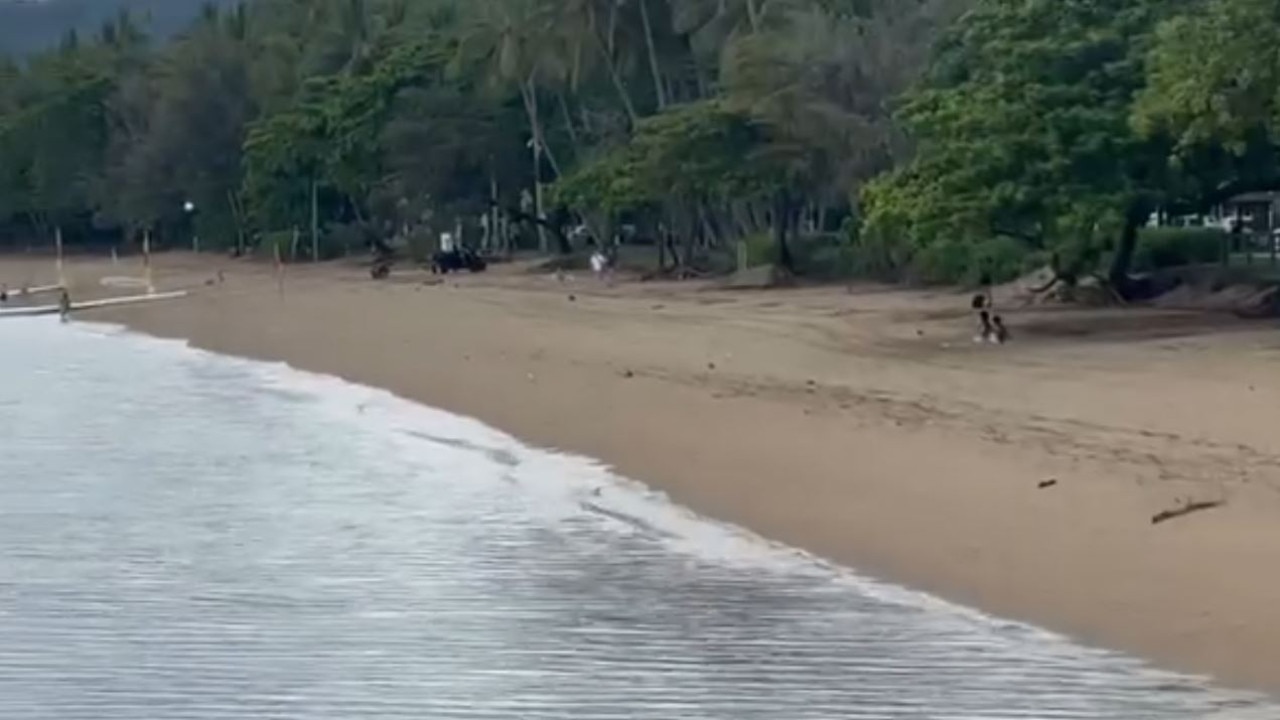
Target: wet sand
864, 426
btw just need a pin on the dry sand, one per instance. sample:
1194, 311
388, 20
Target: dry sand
864, 426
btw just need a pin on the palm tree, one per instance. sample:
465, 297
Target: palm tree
521, 44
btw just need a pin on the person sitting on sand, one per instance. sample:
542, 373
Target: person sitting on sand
1000, 333
985, 329
991, 329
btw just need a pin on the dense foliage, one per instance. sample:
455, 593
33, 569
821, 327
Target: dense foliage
1052, 130
948, 140
701, 122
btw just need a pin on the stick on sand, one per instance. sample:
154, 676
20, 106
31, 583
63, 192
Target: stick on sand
1185, 510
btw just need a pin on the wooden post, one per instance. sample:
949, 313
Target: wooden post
279, 262
146, 261
57, 241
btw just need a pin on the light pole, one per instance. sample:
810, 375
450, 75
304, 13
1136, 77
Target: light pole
189, 208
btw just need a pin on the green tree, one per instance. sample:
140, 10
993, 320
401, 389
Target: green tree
1023, 131
1213, 90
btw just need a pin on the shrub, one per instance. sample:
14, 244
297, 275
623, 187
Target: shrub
948, 262
818, 256
824, 256
875, 254
342, 239
1168, 247
999, 259
942, 262
269, 241
761, 249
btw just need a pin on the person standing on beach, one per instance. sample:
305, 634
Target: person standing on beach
64, 305
599, 261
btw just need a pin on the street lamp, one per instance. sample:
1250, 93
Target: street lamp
189, 208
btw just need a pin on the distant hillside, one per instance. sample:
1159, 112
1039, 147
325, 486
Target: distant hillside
29, 25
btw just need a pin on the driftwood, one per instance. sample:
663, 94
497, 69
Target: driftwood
1187, 509
1053, 282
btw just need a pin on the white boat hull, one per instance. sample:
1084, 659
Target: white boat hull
29, 311
40, 290
129, 300
36, 310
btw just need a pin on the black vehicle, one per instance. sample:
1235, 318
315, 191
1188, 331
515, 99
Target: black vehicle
445, 262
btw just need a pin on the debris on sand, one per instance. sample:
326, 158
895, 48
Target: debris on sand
1187, 509
1047, 483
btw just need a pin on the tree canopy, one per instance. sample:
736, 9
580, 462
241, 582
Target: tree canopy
718, 120
950, 139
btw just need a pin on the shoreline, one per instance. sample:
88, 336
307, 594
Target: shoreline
861, 427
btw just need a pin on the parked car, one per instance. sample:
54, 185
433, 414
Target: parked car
457, 260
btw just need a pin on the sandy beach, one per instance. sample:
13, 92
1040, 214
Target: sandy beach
862, 425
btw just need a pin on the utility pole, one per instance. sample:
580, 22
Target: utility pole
315, 221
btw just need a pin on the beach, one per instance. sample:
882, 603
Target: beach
862, 425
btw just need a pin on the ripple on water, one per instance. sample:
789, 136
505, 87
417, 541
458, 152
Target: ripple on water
189, 536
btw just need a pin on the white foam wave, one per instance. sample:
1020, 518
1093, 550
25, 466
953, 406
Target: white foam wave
566, 486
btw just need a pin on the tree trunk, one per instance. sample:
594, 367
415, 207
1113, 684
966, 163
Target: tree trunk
568, 125
40, 224
495, 235
658, 85
757, 223
530, 96
753, 16
660, 235
699, 71
1122, 260
781, 222
712, 225
237, 216
615, 77
689, 228
315, 220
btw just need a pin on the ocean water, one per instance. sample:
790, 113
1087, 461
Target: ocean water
188, 536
